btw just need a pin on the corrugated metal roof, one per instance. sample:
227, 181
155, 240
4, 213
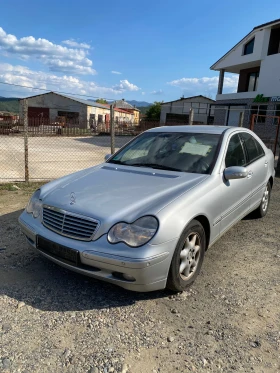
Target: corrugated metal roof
121, 104
81, 101
85, 102
188, 98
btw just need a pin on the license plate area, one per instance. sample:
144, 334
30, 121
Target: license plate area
57, 251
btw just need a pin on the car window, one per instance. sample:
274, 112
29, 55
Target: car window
177, 151
235, 155
140, 149
254, 149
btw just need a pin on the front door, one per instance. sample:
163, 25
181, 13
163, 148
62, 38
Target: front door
236, 194
257, 167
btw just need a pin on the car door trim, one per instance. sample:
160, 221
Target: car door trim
235, 207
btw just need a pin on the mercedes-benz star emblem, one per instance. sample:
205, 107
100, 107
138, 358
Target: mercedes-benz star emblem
72, 198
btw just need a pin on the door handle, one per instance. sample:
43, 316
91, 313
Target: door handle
265, 163
250, 174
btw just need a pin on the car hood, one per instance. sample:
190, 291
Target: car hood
113, 193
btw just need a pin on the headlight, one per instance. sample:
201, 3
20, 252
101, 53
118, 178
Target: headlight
134, 234
34, 205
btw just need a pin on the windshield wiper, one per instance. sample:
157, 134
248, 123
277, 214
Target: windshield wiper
155, 165
116, 162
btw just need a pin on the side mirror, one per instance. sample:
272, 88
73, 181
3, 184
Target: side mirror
107, 156
235, 172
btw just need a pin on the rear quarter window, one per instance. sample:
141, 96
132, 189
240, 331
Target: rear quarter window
253, 147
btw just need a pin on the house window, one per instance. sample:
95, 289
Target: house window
100, 118
253, 79
249, 47
274, 41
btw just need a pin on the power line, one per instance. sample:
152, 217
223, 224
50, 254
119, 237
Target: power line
59, 92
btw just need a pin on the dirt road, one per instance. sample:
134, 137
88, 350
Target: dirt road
52, 320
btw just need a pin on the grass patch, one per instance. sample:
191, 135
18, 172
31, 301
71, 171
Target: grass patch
27, 187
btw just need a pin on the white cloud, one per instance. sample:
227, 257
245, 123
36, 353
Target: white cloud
126, 86
55, 56
206, 84
143, 93
157, 93
115, 72
74, 44
47, 80
69, 67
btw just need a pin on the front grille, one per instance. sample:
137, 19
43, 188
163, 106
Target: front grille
69, 224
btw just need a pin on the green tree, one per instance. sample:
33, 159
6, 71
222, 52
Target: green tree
101, 101
153, 111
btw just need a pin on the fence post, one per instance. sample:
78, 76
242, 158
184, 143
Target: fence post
252, 122
25, 131
112, 129
241, 119
191, 117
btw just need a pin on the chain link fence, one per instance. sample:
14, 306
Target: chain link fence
44, 150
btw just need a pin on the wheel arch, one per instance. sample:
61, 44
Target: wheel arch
206, 226
271, 181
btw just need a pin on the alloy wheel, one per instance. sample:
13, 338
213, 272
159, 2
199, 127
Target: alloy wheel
189, 256
265, 199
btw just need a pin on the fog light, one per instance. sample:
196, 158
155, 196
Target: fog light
128, 277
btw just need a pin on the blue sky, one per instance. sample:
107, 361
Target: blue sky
146, 50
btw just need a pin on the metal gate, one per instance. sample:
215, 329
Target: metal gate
267, 128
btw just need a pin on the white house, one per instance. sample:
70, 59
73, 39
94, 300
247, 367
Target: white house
178, 110
256, 60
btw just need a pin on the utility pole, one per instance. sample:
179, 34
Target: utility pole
25, 130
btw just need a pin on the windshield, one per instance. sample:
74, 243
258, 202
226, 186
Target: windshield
184, 152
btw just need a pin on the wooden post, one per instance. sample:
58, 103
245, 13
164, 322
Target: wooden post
191, 117
276, 143
252, 122
25, 131
241, 119
112, 129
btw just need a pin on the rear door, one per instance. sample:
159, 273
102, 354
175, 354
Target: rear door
235, 194
257, 166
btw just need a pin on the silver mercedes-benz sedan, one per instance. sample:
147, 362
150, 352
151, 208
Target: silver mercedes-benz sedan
144, 218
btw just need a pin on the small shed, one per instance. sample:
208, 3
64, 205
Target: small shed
177, 112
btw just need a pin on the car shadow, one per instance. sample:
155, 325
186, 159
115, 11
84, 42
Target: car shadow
104, 141
28, 277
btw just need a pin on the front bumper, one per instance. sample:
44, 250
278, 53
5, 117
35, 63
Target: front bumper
99, 259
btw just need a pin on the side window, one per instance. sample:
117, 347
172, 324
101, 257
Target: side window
235, 154
254, 149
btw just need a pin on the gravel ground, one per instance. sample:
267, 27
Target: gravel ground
53, 320
52, 157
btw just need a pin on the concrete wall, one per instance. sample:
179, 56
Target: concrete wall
97, 111
269, 79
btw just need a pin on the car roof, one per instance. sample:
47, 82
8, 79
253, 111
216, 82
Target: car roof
192, 129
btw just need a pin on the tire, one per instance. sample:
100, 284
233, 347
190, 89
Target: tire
187, 259
261, 211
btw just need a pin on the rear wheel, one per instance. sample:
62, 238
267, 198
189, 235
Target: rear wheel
188, 257
261, 211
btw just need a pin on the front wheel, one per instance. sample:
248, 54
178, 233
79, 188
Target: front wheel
188, 257
261, 211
